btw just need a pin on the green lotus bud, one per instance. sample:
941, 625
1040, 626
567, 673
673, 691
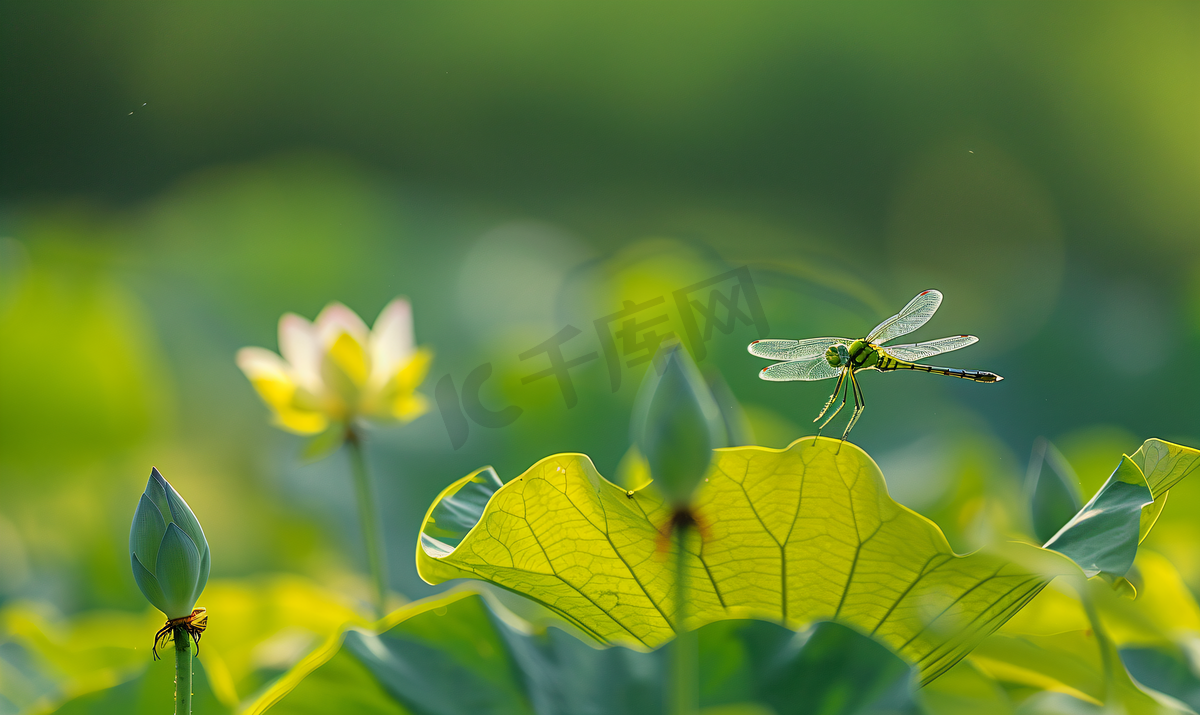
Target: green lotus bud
168, 549
677, 424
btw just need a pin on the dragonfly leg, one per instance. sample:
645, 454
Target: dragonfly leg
845, 394
837, 388
860, 404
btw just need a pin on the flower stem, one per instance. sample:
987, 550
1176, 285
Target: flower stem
183, 672
369, 518
684, 678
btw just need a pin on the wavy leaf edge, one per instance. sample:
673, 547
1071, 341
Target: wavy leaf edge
435, 554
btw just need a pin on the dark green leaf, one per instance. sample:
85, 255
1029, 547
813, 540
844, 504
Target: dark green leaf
1167, 672
151, 693
1053, 490
456, 654
1103, 537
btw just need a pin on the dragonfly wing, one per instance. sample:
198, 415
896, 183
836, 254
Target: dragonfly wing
817, 368
912, 316
920, 351
793, 349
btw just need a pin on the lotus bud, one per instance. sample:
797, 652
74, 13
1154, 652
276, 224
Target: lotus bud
677, 424
168, 549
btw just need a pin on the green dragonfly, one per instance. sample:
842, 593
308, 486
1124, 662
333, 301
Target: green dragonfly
825, 358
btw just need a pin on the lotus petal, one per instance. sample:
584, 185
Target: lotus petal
177, 571
148, 584
300, 348
391, 342
147, 531
182, 515
337, 319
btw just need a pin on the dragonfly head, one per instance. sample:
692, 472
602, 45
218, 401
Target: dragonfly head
838, 355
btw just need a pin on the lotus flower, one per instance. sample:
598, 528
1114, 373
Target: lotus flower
168, 549
335, 370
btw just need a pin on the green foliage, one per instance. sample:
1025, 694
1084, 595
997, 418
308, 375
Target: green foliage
1171, 672
462, 653
795, 536
1053, 490
100, 662
847, 156
1103, 537
814, 519
1080, 642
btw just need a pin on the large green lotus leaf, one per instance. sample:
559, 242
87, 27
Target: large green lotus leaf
965, 689
461, 654
798, 535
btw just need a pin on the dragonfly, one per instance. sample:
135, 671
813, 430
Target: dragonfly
827, 358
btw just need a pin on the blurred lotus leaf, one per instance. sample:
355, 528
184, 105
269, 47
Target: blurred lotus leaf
335, 369
796, 536
461, 653
1074, 663
167, 549
1053, 492
99, 662
1052, 643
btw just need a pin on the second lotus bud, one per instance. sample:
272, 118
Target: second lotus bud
677, 424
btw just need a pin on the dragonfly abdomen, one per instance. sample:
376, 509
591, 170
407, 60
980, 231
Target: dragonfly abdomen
889, 363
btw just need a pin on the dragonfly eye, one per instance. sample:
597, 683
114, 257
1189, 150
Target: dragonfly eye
838, 355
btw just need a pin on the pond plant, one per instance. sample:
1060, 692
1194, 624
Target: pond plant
806, 587
332, 377
783, 580
676, 426
171, 563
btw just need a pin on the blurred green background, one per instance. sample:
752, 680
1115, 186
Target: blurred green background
175, 177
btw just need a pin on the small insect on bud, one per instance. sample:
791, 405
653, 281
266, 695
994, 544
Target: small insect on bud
167, 549
676, 424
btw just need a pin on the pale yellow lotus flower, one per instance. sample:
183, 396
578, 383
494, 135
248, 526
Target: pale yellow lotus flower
335, 370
